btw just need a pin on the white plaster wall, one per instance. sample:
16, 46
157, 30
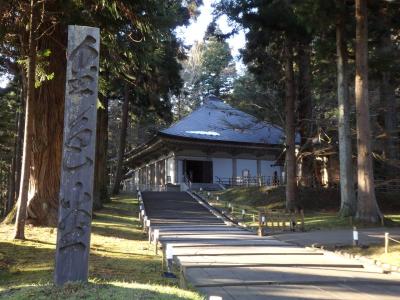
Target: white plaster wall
136, 176
222, 167
268, 171
249, 164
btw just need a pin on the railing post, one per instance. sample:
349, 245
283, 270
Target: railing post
386, 242
355, 236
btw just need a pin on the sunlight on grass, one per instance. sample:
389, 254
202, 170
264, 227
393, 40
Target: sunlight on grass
121, 265
111, 290
377, 252
256, 199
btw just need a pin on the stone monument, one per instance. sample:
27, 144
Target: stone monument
77, 169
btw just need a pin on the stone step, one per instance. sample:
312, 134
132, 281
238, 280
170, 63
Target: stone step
264, 275
240, 260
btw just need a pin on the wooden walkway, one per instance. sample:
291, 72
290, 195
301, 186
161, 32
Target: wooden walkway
232, 263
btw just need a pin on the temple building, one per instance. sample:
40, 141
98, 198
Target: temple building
214, 145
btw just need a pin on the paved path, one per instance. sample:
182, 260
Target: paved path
339, 237
232, 263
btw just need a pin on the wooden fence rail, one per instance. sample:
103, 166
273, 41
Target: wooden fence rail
280, 220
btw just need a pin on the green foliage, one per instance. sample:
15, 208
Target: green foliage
263, 102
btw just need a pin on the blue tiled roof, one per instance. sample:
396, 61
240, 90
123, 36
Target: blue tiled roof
218, 121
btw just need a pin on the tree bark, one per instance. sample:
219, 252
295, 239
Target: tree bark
101, 182
48, 116
11, 187
20, 138
367, 207
27, 147
305, 113
122, 141
13, 168
290, 130
347, 194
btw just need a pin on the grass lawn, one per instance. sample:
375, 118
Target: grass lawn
121, 264
377, 252
320, 206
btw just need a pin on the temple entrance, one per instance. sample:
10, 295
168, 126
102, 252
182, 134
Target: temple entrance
198, 171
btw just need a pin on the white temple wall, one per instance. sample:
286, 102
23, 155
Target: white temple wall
268, 171
247, 164
222, 168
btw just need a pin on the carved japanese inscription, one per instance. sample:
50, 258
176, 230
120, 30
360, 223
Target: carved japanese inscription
77, 174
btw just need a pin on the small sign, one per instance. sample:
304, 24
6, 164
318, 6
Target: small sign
169, 251
156, 235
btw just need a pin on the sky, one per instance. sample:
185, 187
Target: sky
196, 30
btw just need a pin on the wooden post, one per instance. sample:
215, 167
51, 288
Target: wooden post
386, 242
302, 219
77, 172
355, 236
272, 220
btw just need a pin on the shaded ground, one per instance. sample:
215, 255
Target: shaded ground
121, 265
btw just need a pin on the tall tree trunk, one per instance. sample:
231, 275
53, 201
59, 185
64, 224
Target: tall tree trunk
305, 112
367, 207
11, 187
100, 184
122, 141
27, 148
48, 116
347, 194
20, 138
290, 130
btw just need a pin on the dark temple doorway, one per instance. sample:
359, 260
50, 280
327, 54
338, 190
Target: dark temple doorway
199, 171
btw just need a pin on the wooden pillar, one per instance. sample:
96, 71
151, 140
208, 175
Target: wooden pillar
176, 170
77, 171
166, 170
259, 174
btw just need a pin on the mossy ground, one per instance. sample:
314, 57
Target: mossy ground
377, 252
121, 264
320, 206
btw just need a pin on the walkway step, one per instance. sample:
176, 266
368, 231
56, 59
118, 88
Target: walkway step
284, 275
